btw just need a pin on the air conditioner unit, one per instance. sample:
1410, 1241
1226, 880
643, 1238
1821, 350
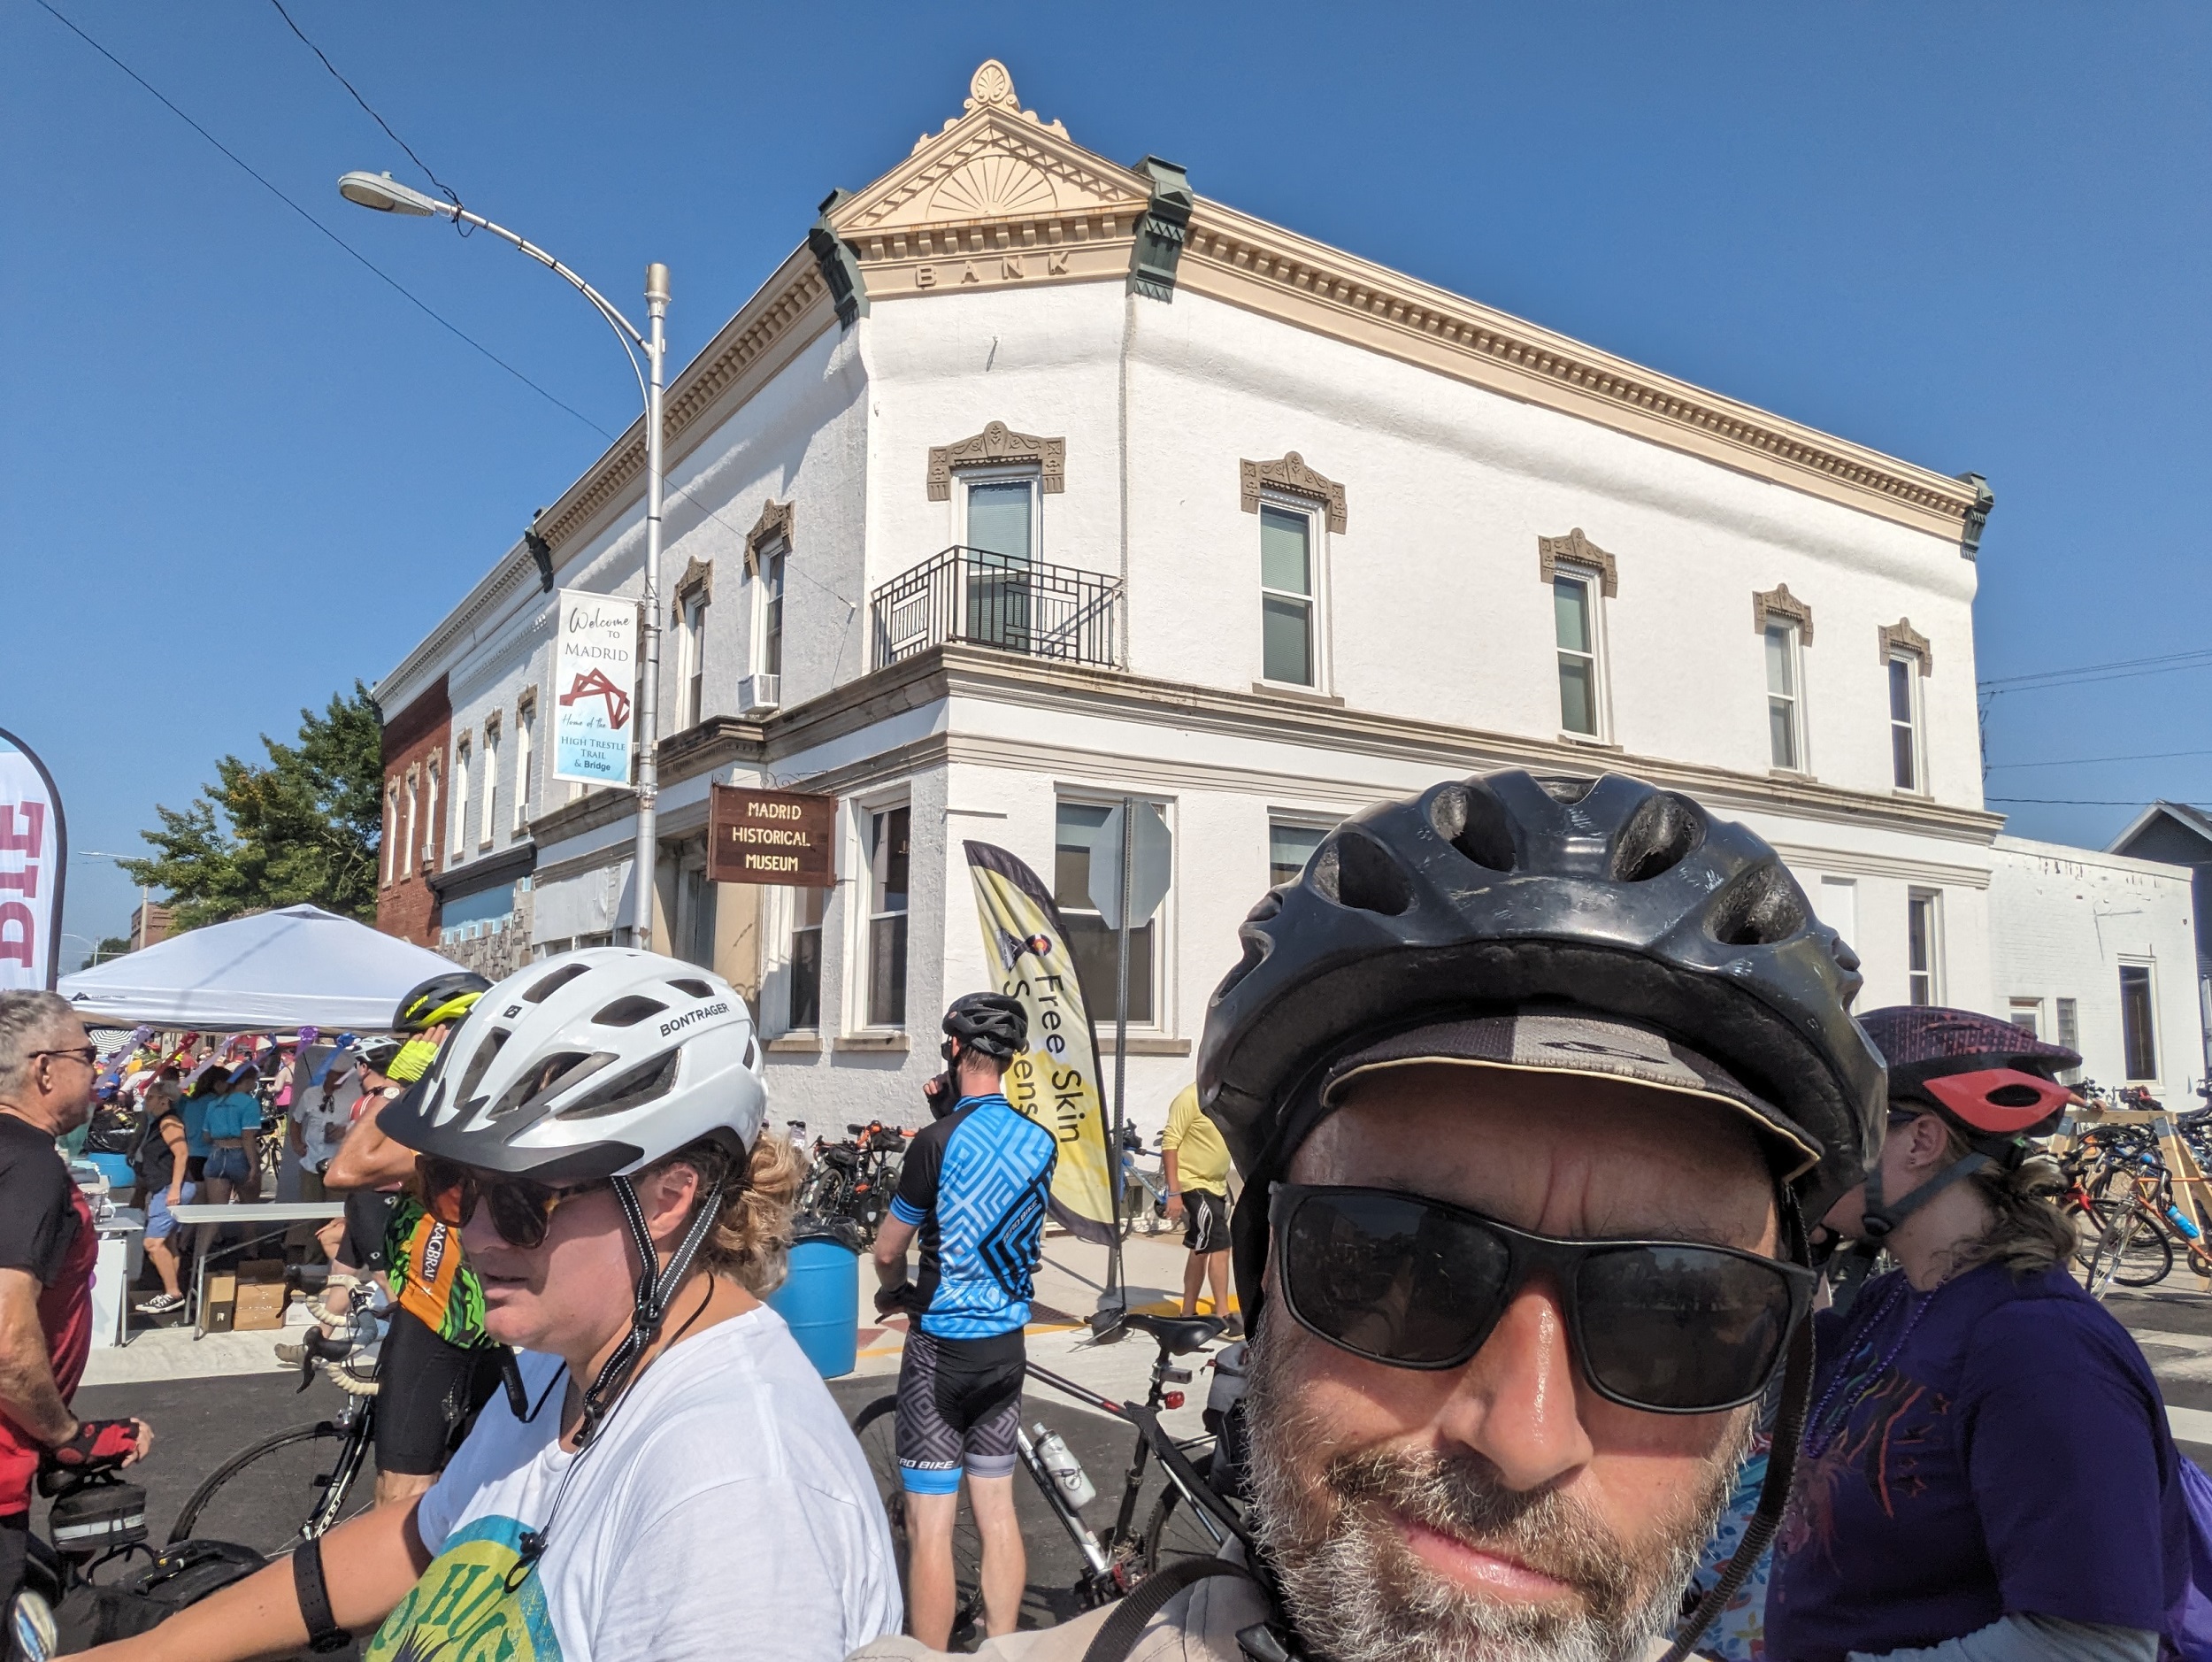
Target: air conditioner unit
758, 694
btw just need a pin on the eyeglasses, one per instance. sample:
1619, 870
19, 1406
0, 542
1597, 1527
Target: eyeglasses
88, 1054
521, 1210
1668, 1327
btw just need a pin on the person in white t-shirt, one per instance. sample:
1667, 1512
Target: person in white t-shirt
669, 1479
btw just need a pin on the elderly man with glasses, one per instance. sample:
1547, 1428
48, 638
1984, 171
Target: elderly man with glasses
47, 1248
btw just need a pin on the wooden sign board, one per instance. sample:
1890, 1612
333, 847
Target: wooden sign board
772, 836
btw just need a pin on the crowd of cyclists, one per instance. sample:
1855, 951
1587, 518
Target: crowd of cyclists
1613, 1291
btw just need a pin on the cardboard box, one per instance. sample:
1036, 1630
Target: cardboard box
260, 1306
219, 1296
261, 1270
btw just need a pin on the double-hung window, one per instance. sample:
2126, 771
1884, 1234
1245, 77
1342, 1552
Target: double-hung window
1904, 722
888, 861
1786, 706
2139, 1024
771, 558
808, 908
414, 814
2027, 1015
2069, 1013
1094, 948
1287, 635
1289, 846
391, 829
430, 819
491, 783
526, 726
1924, 948
1001, 548
458, 814
1574, 603
694, 663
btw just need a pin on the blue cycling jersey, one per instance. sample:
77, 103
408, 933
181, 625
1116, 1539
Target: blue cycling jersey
975, 1184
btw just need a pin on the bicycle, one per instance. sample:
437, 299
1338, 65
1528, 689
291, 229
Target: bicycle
854, 1180
1186, 1519
2138, 1228
325, 1459
1143, 1191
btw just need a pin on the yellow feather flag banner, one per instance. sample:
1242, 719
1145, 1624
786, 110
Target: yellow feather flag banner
1056, 1082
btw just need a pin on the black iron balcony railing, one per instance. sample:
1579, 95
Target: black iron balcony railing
1004, 601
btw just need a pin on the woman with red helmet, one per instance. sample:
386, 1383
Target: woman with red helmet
1987, 1474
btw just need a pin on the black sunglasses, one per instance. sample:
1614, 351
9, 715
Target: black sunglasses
521, 1208
1669, 1327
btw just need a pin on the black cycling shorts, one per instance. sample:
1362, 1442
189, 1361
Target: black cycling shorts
427, 1395
368, 1212
1205, 1220
960, 1406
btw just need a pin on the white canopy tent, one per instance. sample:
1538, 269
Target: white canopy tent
274, 970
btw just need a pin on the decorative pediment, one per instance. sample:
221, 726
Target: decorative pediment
1900, 636
998, 196
1574, 549
998, 445
696, 583
1290, 474
774, 525
1779, 603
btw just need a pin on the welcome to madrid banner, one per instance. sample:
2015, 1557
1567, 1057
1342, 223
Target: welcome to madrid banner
1056, 1082
34, 858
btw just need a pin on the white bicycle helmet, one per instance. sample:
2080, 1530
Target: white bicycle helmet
592, 1065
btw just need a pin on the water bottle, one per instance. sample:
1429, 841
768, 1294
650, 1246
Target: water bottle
1066, 1471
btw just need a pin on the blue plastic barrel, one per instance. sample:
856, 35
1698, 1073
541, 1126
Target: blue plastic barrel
820, 1301
117, 1167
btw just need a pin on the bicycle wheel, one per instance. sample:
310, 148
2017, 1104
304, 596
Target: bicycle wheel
2146, 1255
876, 1427
262, 1496
1174, 1532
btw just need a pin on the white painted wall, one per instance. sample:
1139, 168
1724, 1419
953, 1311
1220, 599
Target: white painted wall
2064, 919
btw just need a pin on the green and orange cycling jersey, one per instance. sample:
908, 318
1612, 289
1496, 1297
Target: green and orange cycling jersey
429, 1279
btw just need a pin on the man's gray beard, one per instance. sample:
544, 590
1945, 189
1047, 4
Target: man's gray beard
1357, 1593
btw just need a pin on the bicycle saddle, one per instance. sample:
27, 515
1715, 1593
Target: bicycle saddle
1179, 1336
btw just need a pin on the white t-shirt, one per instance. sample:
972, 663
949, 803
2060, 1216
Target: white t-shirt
724, 1512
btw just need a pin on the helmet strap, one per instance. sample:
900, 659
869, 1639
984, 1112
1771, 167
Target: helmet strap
653, 1293
1881, 1219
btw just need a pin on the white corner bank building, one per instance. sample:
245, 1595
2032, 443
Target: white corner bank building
1032, 480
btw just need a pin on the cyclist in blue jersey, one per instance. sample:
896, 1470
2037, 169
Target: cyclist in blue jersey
973, 1188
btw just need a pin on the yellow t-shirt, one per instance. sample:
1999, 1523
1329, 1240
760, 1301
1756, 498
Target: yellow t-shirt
1201, 1156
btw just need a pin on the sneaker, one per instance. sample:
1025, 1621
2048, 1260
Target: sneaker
160, 1303
291, 1355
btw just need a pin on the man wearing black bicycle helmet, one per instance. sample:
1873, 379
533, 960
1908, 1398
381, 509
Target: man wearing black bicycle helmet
1964, 1389
1530, 1081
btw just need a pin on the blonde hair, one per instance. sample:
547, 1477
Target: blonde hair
2027, 1233
752, 1240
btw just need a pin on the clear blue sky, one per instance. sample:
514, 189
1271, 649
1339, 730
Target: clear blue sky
240, 471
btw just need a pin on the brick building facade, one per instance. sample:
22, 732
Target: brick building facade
415, 791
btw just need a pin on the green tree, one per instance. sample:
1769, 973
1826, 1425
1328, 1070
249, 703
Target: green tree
303, 827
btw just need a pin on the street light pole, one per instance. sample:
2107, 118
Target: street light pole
385, 194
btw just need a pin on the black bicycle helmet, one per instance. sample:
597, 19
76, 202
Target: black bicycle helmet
991, 1024
442, 999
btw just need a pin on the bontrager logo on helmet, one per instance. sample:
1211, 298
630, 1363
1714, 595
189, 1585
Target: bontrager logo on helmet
689, 1016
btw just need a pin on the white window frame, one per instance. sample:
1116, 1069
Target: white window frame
432, 772
691, 682
1290, 822
2033, 1009
525, 726
1910, 661
1316, 582
390, 850
490, 815
1593, 582
1002, 474
1793, 660
777, 549
2066, 1017
865, 915
1932, 899
1162, 920
2150, 1003
457, 810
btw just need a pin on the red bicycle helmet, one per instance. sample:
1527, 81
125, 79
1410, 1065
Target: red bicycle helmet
1988, 1080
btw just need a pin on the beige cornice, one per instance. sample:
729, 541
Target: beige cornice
1574, 549
1246, 262
790, 308
1778, 602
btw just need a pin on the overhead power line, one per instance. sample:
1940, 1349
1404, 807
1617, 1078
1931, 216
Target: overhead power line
2122, 669
384, 276
364, 103
2091, 761
2092, 802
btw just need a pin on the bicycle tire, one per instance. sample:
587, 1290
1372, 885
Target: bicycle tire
211, 1513
1171, 1533
2147, 1258
876, 1429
